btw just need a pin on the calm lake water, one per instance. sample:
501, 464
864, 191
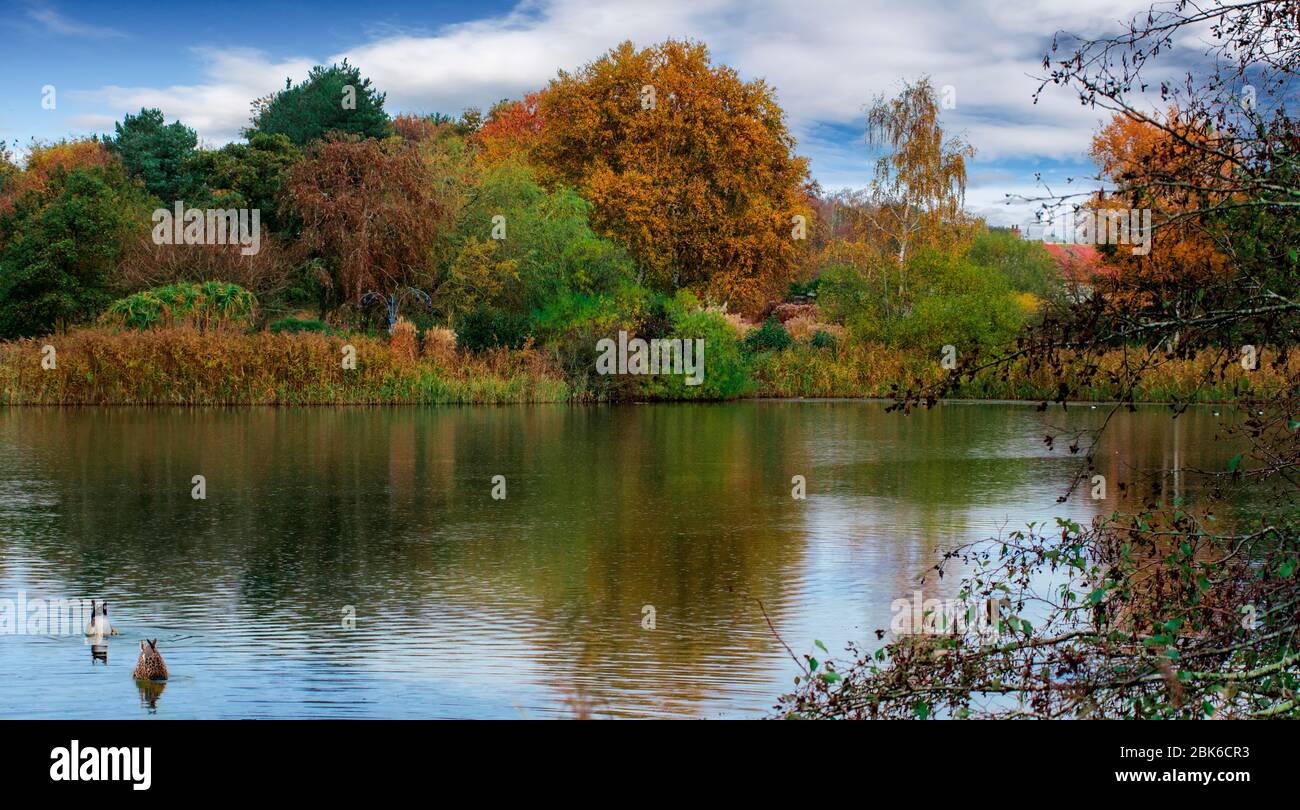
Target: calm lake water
531, 606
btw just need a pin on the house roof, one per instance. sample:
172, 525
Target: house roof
1079, 264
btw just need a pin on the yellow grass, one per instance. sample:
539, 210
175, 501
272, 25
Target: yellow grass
178, 366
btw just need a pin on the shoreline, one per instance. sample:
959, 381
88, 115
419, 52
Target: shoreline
185, 367
955, 401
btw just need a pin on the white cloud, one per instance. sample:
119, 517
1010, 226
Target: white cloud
217, 108
56, 23
826, 59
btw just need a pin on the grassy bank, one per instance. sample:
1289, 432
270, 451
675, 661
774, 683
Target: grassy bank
181, 366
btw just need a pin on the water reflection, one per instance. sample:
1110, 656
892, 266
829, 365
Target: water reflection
468, 606
150, 691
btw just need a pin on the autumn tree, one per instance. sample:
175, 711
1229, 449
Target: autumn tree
1181, 253
511, 129
61, 238
689, 166
371, 212
44, 160
919, 188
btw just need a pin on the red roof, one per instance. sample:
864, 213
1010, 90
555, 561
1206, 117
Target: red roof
1078, 264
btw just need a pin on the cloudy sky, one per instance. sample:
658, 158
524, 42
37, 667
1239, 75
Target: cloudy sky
826, 58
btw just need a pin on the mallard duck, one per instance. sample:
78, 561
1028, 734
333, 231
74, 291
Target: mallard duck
150, 667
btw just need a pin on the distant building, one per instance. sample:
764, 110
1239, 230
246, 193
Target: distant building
1080, 266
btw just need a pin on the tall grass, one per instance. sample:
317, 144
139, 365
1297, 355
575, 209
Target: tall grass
180, 366
872, 370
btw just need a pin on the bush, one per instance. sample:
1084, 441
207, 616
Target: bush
770, 337
726, 370
821, 339
933, 300
954, 302
206, 306
485, 328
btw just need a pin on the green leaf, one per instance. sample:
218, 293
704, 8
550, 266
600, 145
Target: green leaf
821, 646
921, 709
1234, 463
1096, 596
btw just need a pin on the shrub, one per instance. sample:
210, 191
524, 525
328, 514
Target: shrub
726, 370
572, 325
954, 302
206, 306
485, 328
771, 336
267, 274
821, 339
1025, 266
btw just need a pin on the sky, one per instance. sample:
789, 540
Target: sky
827, 60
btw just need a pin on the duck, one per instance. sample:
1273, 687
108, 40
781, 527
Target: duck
150, 667
99, 626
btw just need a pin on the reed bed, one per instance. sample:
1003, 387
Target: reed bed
180, 366
879, 371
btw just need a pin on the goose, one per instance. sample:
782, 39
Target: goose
99, 626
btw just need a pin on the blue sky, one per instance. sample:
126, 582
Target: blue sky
826, 59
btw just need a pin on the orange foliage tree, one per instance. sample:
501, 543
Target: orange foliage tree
1134, 157
45, 159
511, 129
689, 166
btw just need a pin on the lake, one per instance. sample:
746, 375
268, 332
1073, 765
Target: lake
354, 562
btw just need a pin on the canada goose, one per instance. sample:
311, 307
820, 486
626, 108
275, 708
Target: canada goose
99, 626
